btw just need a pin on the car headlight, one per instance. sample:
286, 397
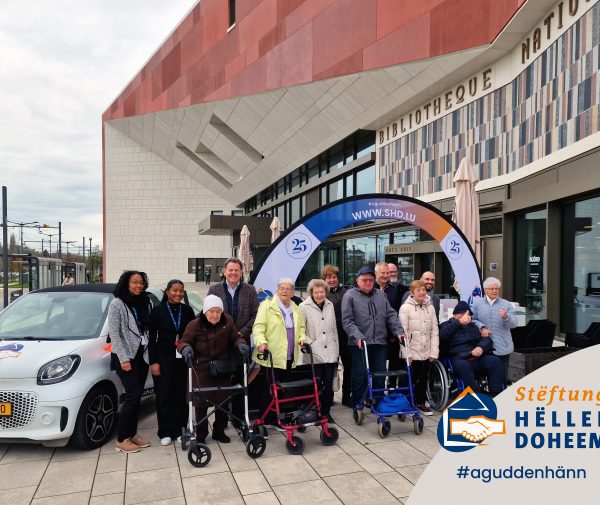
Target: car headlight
58, 370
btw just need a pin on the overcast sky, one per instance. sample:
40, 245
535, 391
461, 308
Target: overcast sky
63, 62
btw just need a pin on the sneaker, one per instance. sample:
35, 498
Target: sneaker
127, 446
166, 441
221, 437
179, 439
139, 441
426, 411
330, 419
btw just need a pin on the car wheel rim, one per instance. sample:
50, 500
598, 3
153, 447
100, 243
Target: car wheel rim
100, 418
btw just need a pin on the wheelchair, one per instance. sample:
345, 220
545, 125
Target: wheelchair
443, 385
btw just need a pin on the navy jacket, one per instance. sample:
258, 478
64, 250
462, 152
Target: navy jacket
460, 340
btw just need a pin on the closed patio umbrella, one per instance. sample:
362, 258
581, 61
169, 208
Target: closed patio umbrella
466, 205
275, 229
245, 254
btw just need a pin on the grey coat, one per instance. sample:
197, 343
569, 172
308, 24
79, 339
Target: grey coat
123, 331
486, 315
369, 316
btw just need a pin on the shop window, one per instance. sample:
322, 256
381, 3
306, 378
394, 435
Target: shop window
237, 212
216, 212
406, 236
530, 263
580, 282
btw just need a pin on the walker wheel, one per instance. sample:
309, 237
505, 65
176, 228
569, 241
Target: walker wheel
199, 455
358, 416
402, 417
260, 429
185, 438
383, 427
418, 424
297, 448
332, 438
256, 446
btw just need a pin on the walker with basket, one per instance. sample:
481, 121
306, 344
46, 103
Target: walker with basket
389, 402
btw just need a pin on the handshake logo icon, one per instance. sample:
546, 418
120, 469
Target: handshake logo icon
468, 421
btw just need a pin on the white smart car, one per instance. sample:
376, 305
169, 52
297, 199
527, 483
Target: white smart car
55, 377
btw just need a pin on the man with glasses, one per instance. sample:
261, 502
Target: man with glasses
367, 316
394, 281
391, 293
495, 316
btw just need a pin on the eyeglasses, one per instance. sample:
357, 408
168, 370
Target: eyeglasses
284, 290
493, 289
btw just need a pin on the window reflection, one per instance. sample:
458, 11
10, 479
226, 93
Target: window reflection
581, 265
530, 258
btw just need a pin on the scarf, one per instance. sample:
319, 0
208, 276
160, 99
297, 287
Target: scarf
288, 314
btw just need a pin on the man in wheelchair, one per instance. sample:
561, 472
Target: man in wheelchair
470, 352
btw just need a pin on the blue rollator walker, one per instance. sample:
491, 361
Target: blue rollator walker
389, 402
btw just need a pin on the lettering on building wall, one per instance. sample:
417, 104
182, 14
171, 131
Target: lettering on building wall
553, 22
440, 105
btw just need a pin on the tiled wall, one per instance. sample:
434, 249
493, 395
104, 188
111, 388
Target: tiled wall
152, 214
554, 102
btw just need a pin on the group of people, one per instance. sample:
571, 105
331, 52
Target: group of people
334, 320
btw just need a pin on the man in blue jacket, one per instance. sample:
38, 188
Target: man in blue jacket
367, 316
470, 352
495, 316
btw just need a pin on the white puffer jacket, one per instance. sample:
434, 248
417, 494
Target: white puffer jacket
421, 327
321, 332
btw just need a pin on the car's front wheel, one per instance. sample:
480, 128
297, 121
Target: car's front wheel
96, 419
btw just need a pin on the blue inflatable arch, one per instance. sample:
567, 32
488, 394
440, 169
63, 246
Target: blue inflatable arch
288, 254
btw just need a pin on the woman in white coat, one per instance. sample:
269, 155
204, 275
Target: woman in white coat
321, 333
417, 316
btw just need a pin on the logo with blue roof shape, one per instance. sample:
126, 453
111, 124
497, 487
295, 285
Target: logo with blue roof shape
468, 421
263, 294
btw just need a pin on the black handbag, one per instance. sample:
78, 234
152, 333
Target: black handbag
221, 368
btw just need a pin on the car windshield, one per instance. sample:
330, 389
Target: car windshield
56, 315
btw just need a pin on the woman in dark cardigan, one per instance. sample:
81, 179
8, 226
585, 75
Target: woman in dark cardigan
169, 370
211, 336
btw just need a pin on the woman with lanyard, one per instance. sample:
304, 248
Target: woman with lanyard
128, 321
169, 371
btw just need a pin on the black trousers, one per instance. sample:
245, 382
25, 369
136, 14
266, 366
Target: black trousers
346, 357
133, 383
325, 372
170, 389
219, 425
395, 362
419, 372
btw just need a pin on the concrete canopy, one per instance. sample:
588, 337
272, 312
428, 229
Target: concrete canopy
286, 106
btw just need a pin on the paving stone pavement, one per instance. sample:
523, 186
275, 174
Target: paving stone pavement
361, 468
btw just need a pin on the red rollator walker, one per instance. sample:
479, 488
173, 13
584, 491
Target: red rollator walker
307, 413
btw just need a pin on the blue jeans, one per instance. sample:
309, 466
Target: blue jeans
489, 365
377, 359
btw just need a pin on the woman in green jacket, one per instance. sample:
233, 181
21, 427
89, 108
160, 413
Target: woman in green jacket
278, 327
